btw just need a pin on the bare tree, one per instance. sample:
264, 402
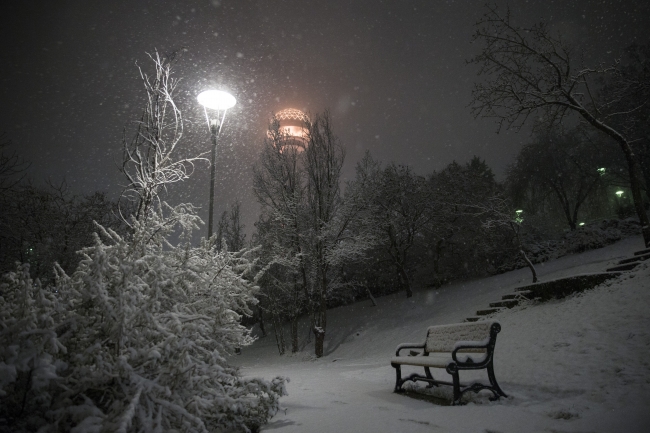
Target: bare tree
400, 203
148, 161
455, 190
626, 88
44, 225
533, 72
281, 293
235, 236
12, 167
564, 166
230, 229
279, 186
498, 212
324, 158
310, 230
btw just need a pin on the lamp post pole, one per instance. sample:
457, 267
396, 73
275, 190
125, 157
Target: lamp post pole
213, 172
221, 102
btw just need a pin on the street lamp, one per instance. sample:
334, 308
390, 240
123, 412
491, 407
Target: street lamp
220, 102
518, 218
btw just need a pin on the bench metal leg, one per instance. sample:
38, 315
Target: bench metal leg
398, 379
431, 384
493, 380
457, 393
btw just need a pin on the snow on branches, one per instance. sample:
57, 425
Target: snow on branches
134, 340
148, 160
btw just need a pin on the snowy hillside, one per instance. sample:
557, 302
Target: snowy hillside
581, 364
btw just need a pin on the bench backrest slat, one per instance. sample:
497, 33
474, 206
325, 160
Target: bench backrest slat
443, 338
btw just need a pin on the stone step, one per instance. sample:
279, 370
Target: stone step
561, 287
488, 311
507, 304
646, 251
519, 294
472, 319
625, 267
637, 258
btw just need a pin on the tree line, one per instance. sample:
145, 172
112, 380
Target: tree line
324, 244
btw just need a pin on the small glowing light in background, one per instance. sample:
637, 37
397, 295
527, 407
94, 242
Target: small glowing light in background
518, 218
581, 224
619, 193
601, 171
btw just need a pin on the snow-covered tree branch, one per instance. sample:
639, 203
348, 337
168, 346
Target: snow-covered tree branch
148, 159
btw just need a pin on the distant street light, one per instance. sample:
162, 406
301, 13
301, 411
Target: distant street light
518, 218
218, 101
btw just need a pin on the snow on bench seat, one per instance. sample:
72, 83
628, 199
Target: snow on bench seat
436, 360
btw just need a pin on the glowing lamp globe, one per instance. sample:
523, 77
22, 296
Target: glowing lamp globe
216, 99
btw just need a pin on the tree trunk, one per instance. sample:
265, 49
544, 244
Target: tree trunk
404, 279
566, 206
635, 186
260, 320
320, 340
294, 316
294, 334
279, 334
321, 320
530, 265
372, 298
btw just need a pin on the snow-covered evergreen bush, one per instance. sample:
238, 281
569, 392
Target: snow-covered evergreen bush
134, 340
30, 351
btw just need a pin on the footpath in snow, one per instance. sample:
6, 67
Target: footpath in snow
581, 364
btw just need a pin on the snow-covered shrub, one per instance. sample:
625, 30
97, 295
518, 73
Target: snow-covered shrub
627, 227
589, 238
29, 351
146, 329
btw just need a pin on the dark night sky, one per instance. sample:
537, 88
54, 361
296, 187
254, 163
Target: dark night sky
392, 73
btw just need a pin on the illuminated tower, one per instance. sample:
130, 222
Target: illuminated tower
292, 123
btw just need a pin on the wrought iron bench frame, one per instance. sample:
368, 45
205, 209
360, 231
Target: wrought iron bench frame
455, 365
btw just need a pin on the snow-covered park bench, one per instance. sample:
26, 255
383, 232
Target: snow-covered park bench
456, 347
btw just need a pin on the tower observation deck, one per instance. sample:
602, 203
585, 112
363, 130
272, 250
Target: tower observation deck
292, 123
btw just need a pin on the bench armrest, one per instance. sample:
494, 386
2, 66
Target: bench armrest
408, 346
485, 344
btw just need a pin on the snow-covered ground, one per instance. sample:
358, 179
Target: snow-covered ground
581, 364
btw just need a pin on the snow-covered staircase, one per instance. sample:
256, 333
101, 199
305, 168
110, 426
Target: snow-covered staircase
561, 288
632, 262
